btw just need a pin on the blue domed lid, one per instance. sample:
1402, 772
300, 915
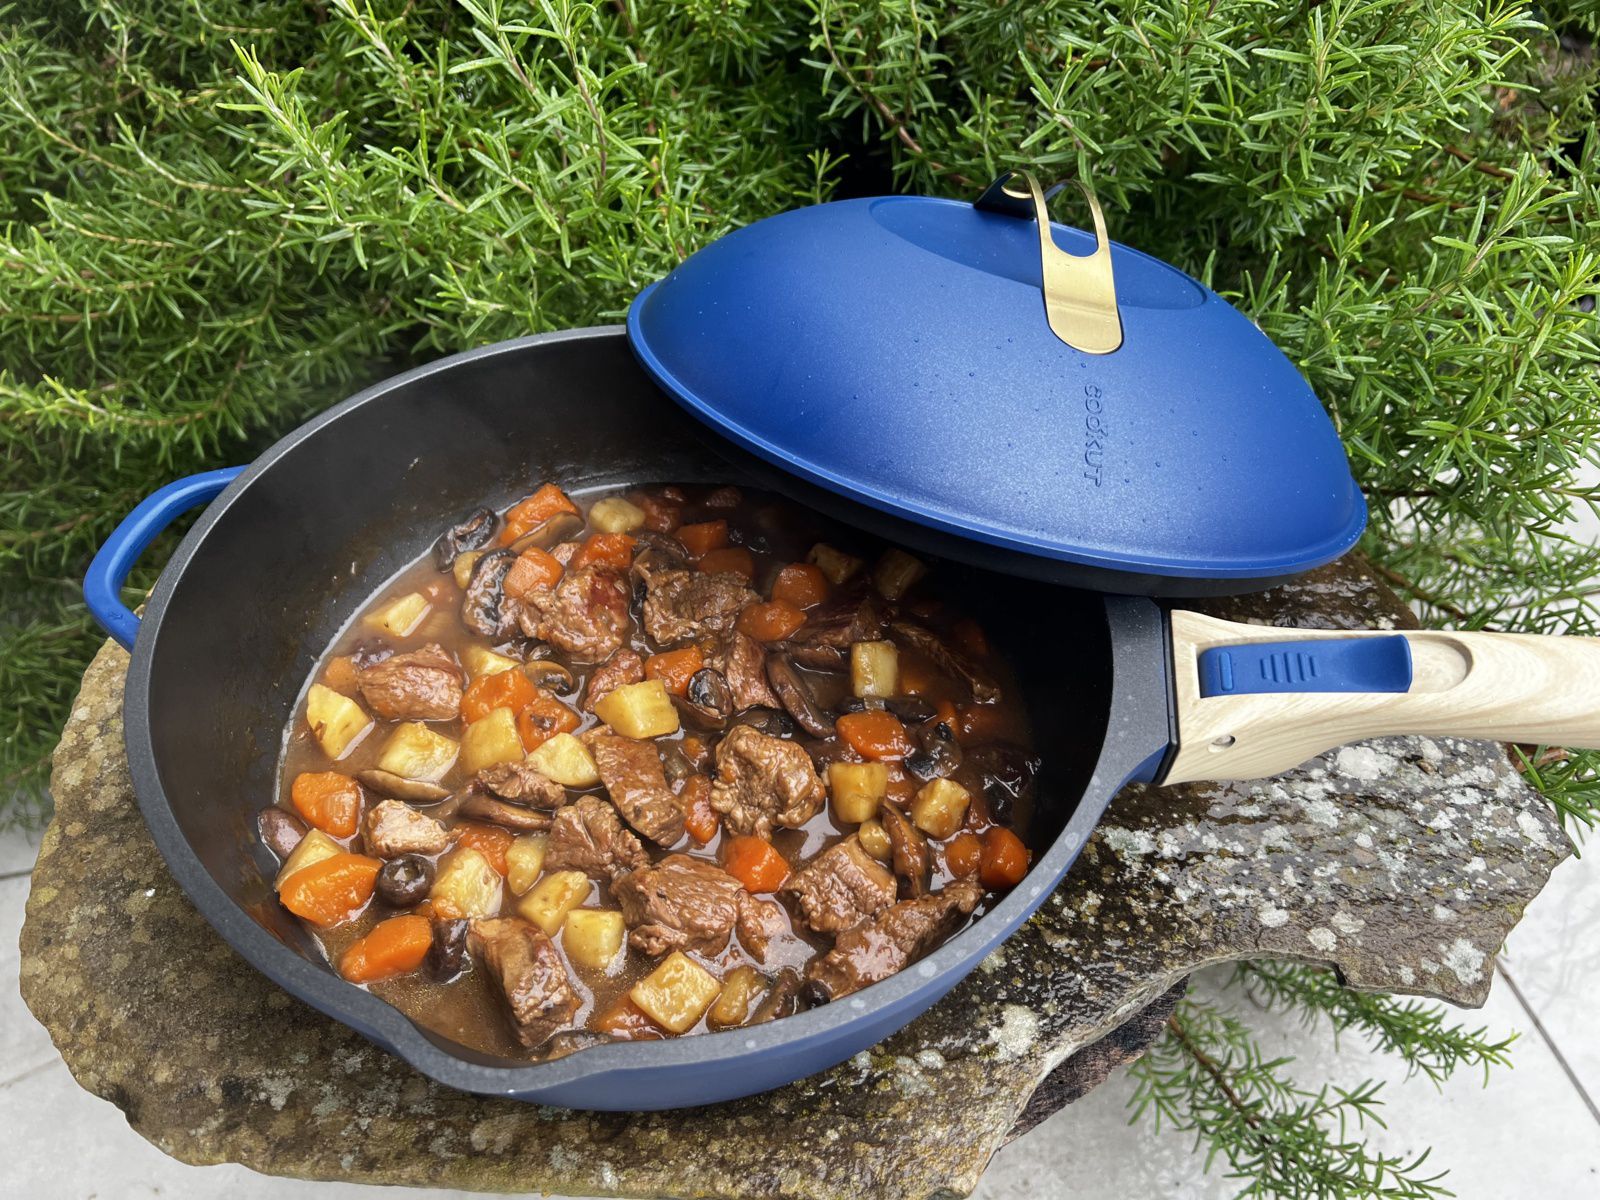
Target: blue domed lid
898, 352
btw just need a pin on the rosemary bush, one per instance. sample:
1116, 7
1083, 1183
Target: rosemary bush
221, 215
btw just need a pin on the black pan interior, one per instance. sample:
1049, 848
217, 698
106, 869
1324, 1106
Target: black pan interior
337, 508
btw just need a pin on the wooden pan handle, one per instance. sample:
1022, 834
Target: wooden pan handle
1508, 687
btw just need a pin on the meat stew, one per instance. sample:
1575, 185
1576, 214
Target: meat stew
667, 761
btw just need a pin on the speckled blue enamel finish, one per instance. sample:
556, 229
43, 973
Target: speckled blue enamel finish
895, 352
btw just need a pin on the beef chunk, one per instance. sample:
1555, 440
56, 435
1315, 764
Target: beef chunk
585, 614
621, 668
637, 784
521, 783
685, 903
984, 689
841, 887
526, 967
422, 685
680, 605
743, 663
588, 836
823, 642
764, 781
391, 829
899, 935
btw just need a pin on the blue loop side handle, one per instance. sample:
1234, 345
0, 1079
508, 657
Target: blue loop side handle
102, 583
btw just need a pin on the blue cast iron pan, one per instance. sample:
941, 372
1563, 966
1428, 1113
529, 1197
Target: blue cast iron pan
1119, 688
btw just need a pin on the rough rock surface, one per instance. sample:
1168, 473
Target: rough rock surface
1402, 862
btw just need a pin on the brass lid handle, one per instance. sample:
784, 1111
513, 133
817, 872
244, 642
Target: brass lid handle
1080, 295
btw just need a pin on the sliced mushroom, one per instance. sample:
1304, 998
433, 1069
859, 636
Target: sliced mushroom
1008, 772
281, 830
769, 721
472, 532
708, 700
817, 657
447, 957
547, 533
497, 812
547, 673
912, 709
397, 787
984, 689
909, 850
485, 610
938, 753
780, 998
796, 696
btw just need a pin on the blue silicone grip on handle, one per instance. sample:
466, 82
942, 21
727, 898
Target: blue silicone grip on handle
102, 583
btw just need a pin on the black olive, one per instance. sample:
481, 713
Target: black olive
447, 957
472, 532
405, 881
813, 994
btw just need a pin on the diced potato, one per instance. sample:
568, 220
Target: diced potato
740, 990
337, 722
414, 751
566, 760
401, 616
593, 936
467, 885
940, 807
491, 739
616, 515
874, 839
462, 567
874, 669
896, 572
835, 564
857, 789
639, 710
524, 861
313, 848
557, 894
676, 993
480, 661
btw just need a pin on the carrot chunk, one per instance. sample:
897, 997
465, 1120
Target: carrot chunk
772, 621
488, 840
527, 515
735, 560
674, 668
699, 818
328, 800
700, 540
541, 718
393, 947
331, 890
504, 689
626, 1020
963, 855
341, 676
801, 584
878, 736
1005, 859
534, 569
613, 550
755, 863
